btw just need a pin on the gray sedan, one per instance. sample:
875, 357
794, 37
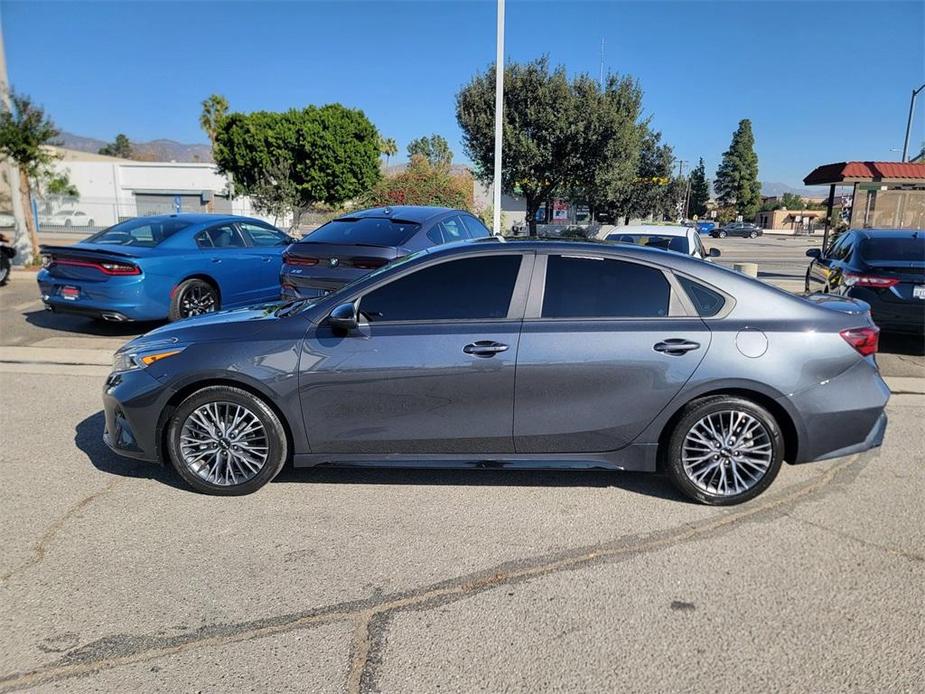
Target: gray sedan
520, 354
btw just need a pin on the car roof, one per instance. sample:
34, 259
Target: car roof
889, 233
408, 213
650, 229
200, 218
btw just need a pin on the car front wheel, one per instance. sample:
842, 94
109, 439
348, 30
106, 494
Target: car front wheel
722, 234
753, 235
724, 450
225, 441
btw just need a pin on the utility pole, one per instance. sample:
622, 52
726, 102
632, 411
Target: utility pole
11, 172
602, 63
499, 119
915, 93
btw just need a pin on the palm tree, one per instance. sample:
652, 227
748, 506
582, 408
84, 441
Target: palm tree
213, 110
387, 147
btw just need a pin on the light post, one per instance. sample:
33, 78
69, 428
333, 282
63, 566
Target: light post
915, 93
499, 119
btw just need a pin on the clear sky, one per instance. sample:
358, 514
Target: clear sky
821, 81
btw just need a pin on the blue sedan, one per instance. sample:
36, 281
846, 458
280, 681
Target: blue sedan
166, 266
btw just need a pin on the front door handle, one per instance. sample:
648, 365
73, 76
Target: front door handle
676, 346
485, 348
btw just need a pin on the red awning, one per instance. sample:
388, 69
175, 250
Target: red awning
861, 171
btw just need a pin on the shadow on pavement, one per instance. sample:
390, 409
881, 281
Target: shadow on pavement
72, 323
88, 437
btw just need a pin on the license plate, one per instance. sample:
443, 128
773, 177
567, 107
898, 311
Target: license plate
918, 292
70, 293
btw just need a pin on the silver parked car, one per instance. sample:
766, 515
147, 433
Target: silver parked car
511, 354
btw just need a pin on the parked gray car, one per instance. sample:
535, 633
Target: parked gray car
519, 354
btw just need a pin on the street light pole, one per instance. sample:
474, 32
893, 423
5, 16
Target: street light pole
915, 93
499, 119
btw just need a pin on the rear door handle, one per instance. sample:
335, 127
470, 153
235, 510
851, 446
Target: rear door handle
485, 348
216, 260
676, 346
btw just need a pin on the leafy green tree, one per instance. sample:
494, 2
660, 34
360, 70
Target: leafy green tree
387, 148
214, 109
559, 135
120, 147
652, 191
60, 184
291, 161
737, 177
25, 133
700, 191
434, 148
424, 183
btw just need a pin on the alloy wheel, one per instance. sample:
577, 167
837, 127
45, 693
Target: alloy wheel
224, 443
196, 300
727, 453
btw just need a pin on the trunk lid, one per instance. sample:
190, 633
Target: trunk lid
91, 262
329, 266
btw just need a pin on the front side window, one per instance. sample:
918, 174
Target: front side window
678, 244
466, 289
586, 287
477, 230
263, 237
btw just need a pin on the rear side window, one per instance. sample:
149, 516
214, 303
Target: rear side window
578, 287
467, 289
707, 302
369, 231
224, 236
911, 248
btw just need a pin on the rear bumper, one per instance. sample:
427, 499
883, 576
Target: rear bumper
123, 296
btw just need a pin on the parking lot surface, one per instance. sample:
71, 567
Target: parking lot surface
116, 577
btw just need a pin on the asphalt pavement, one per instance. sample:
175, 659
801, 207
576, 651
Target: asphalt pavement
115, 577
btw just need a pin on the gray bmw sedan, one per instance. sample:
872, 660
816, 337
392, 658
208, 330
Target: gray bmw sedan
520, 354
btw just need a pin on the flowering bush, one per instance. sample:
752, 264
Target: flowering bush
423, 183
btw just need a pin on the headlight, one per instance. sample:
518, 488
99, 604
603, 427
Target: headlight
128, 361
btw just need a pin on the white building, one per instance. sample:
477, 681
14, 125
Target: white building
113, 189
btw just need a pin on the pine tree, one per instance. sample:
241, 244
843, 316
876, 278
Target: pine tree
700, 191
737, 177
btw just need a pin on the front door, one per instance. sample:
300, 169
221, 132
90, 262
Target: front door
430, 368
265, 250
601, 355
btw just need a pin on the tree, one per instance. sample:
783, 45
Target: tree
559, 135
652, 192
120, 147
434, 148
293, 160
25, 132
424, 183
388, 148
60, 184
214, 109
700, 191
737, 177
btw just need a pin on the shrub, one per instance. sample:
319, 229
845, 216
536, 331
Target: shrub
424, 183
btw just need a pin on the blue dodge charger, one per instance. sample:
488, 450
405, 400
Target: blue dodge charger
167, 266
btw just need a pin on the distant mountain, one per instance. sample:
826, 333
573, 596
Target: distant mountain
155, 150
770, 188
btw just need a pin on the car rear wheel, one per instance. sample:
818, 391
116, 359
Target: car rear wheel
753, 235
225, 441
193, 298
724, 450
722, 234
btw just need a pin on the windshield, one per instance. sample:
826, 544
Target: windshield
366, 231
911, 248
140, 232
678, 244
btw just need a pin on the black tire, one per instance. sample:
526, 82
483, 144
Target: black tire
5, 266
228, 396
189, 299
753, 235
722, 234
695, 412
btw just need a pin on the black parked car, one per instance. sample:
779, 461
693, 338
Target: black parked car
744, 229
885, 268
347, 248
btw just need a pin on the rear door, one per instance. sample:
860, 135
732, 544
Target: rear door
265, 249
605, 345
430, 370
223, 257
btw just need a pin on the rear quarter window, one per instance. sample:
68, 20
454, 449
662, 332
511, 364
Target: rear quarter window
707, 302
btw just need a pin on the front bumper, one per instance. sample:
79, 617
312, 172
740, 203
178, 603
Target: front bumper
132, 403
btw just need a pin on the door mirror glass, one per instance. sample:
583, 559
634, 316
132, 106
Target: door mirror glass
344, 317
813, 253
715, 253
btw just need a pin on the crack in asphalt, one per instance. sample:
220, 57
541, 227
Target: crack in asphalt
370, 615
912, 556
39, 549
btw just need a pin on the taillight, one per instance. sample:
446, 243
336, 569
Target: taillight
107, 268
853, 280
368, 263
298, 260
864, 340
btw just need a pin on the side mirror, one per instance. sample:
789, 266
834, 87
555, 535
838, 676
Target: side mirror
714, 253
344, 317
813, 253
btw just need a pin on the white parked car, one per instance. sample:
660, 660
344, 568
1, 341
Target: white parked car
67, 218
680, 239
